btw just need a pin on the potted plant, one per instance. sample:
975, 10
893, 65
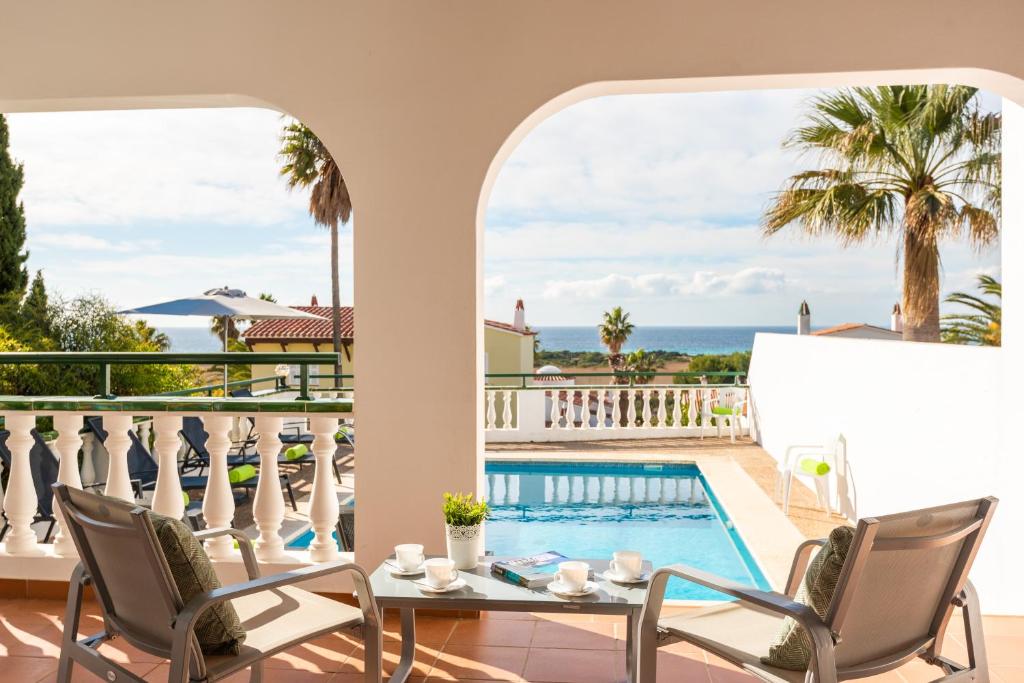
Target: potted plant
463, 522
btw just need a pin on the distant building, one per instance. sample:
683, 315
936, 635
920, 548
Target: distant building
508, 347
853, 330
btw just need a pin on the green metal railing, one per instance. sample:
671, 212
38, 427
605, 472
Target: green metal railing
627, 375
279, 386
105, 359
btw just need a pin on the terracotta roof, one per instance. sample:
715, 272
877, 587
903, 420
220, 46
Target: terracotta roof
302, 330
850, 326
310, 331
507, 327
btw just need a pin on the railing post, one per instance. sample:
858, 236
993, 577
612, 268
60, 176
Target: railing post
20, 502
119, 483
323, 503
506, 409
303, 383
167, 498
268, 507
218, 503
68, 443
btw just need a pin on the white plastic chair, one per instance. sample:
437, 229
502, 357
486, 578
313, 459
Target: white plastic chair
721, 398
833, 455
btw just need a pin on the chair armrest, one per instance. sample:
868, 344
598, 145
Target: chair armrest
799, 567
807, 448
184, 623
252, 568
821, 636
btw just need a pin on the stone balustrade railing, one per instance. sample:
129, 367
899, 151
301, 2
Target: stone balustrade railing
582, 413
157, 423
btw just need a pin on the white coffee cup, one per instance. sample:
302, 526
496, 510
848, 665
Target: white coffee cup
409, 556
573, 575
440, 572
627, 564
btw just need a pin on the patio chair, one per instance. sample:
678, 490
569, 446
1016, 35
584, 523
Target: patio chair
717, 405
346, 528
122, 559
901, 579
143, 468
44, 467
195, 438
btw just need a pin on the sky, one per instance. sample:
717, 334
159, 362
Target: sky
650, 202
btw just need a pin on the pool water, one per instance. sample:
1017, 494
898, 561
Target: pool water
589, 510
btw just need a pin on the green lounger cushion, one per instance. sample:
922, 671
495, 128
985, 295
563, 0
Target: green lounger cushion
296, 452
185, 498
721, 410
236, 475
218, 629
792, 648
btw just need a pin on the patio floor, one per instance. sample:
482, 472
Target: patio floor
504, 647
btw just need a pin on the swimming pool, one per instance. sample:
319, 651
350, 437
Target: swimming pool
589, 510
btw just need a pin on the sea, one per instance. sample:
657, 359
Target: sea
691, 340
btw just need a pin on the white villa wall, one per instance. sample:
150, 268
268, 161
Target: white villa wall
923, 423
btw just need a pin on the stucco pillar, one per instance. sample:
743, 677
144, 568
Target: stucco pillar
418, 297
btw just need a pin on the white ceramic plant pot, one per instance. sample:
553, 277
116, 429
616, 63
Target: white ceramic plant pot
465, 545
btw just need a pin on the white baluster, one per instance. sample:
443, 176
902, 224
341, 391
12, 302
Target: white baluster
119, 483
570, 409
616, 411
323, 502
691, 408
268, 507
585, 409
68, 443
490, 409
662, 409
506, 409
167, 498
218, 503
20, 502
631, 410
555, 409
601, 411
677, 410
89, 445
647, 407
145, 428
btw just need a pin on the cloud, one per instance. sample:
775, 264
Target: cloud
494, 285
81, 242
746, 282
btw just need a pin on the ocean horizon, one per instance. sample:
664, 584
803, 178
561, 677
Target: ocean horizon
693, 340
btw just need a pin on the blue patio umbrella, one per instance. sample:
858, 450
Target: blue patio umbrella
223, 303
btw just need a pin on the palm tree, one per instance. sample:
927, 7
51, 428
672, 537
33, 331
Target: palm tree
614, 331
641, 361
217, 327
149, 335
984, 327
918, 162
308, 164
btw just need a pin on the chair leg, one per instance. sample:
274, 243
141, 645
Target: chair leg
5, 529
256, 673
72, 615
49, 531
337, 474
291, 494
787, 486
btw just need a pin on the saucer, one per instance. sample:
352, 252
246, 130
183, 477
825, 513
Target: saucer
453, 586
560, 589
616, 578
398, 571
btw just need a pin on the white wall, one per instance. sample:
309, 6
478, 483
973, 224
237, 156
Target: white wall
924, 426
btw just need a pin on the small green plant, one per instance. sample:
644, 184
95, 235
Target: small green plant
464, 510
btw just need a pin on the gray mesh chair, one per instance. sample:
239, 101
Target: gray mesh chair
899, 585
122, 560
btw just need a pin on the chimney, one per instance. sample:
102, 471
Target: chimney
519, 317
896, 322
803, 319
313, 301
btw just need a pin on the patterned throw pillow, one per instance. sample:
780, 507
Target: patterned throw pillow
792, 648
218, 629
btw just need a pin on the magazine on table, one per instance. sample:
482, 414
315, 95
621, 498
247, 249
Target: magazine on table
532, 571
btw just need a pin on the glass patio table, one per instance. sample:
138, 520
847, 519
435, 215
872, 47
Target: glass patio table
485, 591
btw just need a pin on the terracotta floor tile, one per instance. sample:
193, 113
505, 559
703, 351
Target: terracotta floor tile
1004, 650
28, 669
1004, 626
159, 675
484, 662
506, 632
564, 617
577, 636
423, 661
575, 666
80, 674
326, 654
513, 616
676, 666
429, 630
38, 640
1007, 674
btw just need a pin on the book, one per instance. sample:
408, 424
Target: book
532, 571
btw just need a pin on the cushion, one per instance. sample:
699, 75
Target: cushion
236, 475
218, 629
721, 410
296, 452
792, 648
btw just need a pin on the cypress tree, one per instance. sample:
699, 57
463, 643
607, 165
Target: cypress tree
35, 309
13, 273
